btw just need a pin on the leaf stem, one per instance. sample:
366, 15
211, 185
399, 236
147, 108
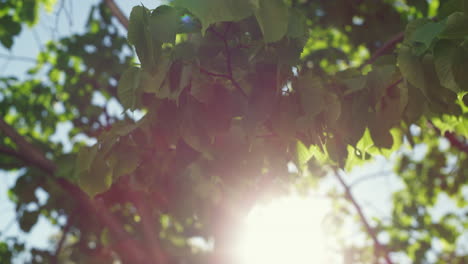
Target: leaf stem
227, 53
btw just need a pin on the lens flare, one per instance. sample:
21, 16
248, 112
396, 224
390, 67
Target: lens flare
288, 230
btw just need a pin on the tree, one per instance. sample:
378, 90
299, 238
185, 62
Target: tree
234, 92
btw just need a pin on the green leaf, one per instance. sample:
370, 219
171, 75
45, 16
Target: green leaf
336, 150
66, 166
303, 154
354, 84
273, 18
456, 26
333, 109
139, 35
362, 151
123, 160
193, 132
411, 67
284, 118
8, 29
184, 82
311, 93
213, 11
152, 82
127, 89
412, 27
85, 158
164, 23
297, 24
28, 219
136, 33
202, 88
444, 55
426, 33
98, 179
448, 7
380, 135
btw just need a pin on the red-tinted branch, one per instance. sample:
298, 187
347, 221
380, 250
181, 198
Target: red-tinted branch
453, 138
370, 231
115, 10
27, 151
385, 47
130, 251
22, 158
30, 154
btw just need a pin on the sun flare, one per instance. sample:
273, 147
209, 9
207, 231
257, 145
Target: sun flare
288, 230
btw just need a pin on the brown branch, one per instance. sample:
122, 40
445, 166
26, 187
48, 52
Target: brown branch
453, 138
29, 154
10, 152
21, 156
27, 150
115, 10
130, 251
370, 231
382, 50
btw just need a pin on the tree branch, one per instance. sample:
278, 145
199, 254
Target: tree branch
369, 177
19, 58
370, 231
451, 137
28, 153
227, 52
385, 47
117, 12
130, 251
21, 156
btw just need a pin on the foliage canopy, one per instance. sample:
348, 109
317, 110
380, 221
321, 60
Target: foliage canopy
235, 92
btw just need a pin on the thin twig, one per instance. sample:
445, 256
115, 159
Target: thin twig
227, 53
369, 177
395, 83
370, 231
20, 58
117, 12
65, 231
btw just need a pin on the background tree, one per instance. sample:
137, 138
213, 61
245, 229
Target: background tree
235, 94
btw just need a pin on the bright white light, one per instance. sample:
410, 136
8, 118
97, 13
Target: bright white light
288, 230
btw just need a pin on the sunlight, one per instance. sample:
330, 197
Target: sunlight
288, 230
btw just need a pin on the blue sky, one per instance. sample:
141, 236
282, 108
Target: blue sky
68, 17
